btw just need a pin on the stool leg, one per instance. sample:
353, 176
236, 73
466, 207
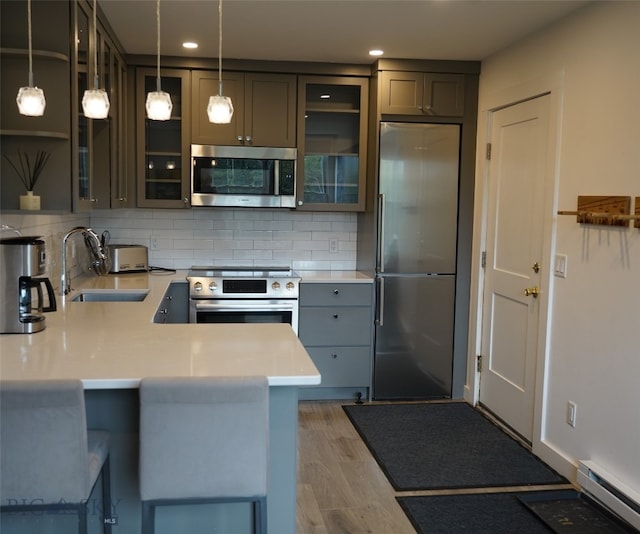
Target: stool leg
106, 496
260, 515
83, 517
148, 518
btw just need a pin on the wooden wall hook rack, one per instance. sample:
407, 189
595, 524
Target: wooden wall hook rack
605, 210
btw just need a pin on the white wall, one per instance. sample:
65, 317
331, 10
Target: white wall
594, 341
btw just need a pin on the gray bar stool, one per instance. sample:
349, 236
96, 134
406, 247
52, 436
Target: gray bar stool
204, 440
48, 458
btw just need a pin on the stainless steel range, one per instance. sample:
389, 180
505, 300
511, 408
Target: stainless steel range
243, 295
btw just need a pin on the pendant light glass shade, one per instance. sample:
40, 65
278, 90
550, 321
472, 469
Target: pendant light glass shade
158, 103
220, 108
95, 102
158, 106
30, 99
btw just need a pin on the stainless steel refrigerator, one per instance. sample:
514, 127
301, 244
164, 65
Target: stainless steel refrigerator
416, 260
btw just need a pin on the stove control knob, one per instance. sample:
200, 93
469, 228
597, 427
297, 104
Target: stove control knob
213, 286
275, 285
290, 285
197, 287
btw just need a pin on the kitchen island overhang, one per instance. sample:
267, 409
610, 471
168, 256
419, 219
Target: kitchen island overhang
111, 346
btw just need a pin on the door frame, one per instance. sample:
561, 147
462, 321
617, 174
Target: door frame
551, 84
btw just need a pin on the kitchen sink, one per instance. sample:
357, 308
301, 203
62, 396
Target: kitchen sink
109, 295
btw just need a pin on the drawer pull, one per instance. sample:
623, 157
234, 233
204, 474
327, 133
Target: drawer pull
334, 356
335, 315
336, 291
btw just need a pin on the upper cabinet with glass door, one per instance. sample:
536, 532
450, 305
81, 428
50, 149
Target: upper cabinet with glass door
163, 151
332, 133
99, 159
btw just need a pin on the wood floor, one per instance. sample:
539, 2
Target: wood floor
341, 489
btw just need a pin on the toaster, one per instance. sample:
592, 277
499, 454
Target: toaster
129, 258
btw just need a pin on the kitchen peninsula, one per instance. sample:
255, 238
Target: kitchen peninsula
110, 346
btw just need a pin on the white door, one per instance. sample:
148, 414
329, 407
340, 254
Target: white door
517, 166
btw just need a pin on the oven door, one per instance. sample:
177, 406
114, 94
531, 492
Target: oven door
245, 311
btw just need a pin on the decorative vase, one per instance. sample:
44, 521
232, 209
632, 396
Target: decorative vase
29, 201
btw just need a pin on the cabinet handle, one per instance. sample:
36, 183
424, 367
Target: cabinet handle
185, 200
248, 139
335, 315
240, 139
169, 297
336, 291
300, 202
334, 356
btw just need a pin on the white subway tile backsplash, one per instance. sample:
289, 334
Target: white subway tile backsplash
181, 238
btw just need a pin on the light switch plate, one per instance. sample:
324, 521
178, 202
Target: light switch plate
560, 265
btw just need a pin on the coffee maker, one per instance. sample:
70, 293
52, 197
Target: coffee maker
22, 303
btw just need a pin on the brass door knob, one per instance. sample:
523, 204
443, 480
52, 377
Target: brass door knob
532, 292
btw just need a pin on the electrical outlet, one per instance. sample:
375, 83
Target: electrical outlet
155, 244
333, 245
572, 408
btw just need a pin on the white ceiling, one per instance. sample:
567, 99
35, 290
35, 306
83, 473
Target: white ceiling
337, 31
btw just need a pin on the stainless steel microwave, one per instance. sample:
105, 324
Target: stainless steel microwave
243, 176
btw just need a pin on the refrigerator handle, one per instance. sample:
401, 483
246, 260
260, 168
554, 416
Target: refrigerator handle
380, 310
380, 258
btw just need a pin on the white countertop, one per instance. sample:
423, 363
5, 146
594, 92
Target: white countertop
112, 345
335, 276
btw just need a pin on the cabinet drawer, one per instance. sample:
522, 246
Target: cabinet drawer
347, 325
336, 294
342, 366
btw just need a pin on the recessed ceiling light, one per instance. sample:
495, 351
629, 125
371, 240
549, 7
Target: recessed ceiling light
376, 52
189, 44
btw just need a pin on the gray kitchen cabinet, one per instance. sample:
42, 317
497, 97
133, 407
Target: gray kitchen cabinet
418, 93
86, 168
52, 131
264, 109
335, 325
163, 161
99, 160
332, 147
174, 307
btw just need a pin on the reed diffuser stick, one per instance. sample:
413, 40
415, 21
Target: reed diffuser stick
27, 175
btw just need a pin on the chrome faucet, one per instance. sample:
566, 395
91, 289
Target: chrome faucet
99, 253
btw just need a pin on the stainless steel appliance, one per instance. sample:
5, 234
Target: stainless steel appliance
22, 264
416, 260
129, 258
243, 176
243, 295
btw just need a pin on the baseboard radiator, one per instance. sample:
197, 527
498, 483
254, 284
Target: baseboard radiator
610, 492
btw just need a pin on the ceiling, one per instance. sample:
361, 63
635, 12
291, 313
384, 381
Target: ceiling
336, 31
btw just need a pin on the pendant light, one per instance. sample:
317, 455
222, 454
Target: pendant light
30, 99
220, 108
95, 102
158, 104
